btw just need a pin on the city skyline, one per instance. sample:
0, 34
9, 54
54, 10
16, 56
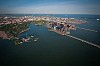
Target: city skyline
49, 7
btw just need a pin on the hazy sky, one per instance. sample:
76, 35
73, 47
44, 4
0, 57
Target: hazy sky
49, 6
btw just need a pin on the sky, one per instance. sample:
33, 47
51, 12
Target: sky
49, 6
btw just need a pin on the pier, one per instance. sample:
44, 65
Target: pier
90, 43
88, 29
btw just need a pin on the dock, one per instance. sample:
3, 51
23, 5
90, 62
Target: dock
90, 43
88, 29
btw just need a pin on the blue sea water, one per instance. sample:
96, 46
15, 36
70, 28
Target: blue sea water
53, 49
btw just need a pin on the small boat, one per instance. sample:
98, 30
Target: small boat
97, 19
31, 36
17, 42
68, 32
35, 39
21, 42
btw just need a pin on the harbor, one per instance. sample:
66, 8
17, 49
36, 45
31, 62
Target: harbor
50, 42
11, 25
49, 32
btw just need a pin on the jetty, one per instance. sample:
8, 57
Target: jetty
90, 43
88, 29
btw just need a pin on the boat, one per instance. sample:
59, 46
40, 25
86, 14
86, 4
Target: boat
36, 39
68, 32
31, 36
97, 19
18, 41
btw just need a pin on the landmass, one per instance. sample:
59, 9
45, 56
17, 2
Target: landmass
11, 27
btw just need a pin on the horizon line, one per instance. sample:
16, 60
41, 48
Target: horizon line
44, 13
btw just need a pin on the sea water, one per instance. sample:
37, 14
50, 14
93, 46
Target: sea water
52, 48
